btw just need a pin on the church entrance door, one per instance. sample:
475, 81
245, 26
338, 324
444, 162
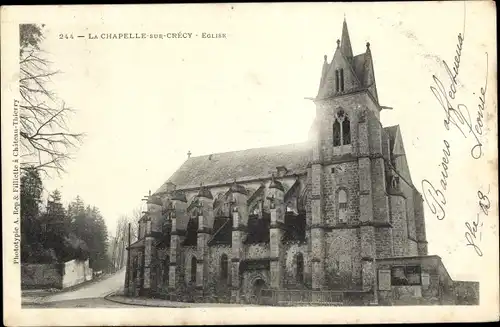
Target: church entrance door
258, 285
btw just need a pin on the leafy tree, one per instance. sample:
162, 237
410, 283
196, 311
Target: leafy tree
32, 249
46, 142
55, 226
89, 226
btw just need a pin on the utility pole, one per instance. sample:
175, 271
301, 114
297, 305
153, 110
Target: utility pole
127, 269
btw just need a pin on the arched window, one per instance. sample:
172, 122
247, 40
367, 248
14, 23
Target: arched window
341, 129
300, 268
337, 80
193, 269
336, 133
342, 198
341, 80
223, 267
346, 131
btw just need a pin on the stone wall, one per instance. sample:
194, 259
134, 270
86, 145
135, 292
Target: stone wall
217, 285
384, 242
343, 259
41, 276
435, 285
55, 275
291, 250
257, 251
403, 219
345, 177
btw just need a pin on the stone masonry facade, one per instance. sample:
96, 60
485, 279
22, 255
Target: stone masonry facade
306, 222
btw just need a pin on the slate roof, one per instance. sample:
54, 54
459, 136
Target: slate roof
358, 63
223, 168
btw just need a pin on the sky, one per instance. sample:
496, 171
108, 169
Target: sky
144, 104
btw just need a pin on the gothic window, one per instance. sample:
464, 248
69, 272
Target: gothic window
341, 80
223, 267
342, 200
300, 268
346, 131
336, 133
193, 269
337, 80
341, 129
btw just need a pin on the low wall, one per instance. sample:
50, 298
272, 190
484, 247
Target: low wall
75, 272
41, 276
421, 280
55, 275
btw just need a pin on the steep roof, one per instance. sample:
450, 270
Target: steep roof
346, 41
222, 168
392, 132
358, 63
360, 68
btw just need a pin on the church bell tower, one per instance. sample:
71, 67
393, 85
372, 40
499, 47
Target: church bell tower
346, 108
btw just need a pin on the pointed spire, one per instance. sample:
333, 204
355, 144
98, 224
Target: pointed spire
345, 45
369, 73
324, 71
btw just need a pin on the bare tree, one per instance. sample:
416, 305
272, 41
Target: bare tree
121, 240
46, 142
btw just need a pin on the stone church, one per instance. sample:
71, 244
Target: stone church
336, 219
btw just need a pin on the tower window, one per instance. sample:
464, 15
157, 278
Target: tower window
337, 80
336, 133
342, 198
341, 80
346, 131
341, 129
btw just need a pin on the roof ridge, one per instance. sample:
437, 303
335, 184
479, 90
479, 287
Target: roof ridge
250, 149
